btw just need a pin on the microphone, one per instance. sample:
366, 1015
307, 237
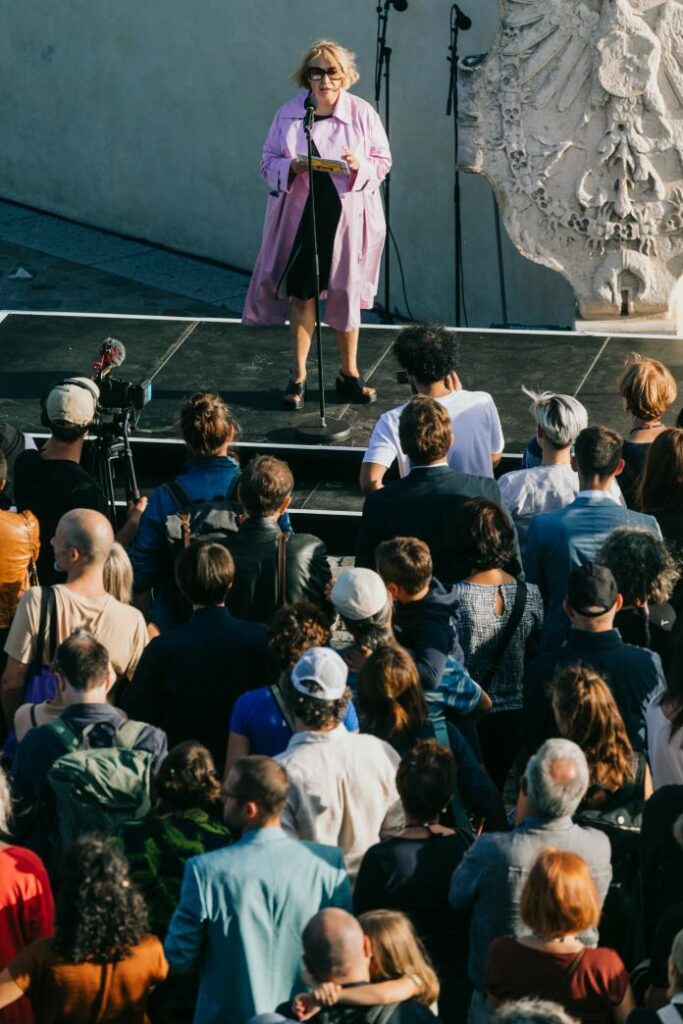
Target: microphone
461, 20
112, 354
311, 105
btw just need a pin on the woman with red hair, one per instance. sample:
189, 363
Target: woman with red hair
559, 902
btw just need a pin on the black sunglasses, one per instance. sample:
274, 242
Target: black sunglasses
317, 74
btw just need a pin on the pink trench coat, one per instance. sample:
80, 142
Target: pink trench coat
359, 240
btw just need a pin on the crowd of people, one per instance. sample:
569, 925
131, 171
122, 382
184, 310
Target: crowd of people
445, 781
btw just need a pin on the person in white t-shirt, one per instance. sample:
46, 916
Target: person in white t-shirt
427, 353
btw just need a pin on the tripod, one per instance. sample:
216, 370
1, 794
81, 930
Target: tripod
112, 445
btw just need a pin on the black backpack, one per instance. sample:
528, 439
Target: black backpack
215, 519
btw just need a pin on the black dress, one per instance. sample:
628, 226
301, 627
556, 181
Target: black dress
298, 279
634, 456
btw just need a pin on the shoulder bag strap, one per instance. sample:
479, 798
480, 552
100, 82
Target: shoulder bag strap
286, 713
231, 493
568, 973
506, 636
181, 498
52, 616
42, 624
129, 733
178, 493
65, 734
281, 581
460, 815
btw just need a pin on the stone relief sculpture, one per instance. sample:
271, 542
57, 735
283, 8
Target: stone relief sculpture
576, 119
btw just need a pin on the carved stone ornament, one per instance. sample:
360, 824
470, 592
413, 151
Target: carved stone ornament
576, 119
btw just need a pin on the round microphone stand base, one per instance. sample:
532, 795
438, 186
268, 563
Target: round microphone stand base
310, 430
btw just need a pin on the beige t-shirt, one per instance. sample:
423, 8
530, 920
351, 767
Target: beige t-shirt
118, 627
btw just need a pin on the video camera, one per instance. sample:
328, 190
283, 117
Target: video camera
116, 394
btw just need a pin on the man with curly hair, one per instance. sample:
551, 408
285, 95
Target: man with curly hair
342, 785
427, 353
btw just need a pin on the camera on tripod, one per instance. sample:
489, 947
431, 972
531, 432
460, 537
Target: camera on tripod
116, 394
124, 400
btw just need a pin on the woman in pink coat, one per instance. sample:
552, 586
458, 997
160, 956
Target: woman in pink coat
349, 215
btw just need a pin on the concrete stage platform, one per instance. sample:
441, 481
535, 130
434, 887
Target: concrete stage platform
249, 367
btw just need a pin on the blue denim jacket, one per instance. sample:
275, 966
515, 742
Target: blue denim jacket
203, 479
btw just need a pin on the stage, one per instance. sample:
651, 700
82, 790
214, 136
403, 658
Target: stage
249, 366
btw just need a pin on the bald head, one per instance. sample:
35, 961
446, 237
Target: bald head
89, 532
335, 948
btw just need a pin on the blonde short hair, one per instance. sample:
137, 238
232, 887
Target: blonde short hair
329, 51
118, 574
647, 387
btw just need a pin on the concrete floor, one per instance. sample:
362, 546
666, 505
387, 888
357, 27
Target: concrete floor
82, 269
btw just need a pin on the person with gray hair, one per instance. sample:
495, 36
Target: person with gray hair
81, 545
556, 779
489, 879
551, 483
532, 1011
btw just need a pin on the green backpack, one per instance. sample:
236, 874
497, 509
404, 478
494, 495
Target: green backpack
98, 788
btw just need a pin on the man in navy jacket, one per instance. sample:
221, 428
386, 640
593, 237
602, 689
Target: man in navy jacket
634, 674
559, 541
423, 504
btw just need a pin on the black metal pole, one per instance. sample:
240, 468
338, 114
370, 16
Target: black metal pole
308, 126
501, 270
382, 67
452, 109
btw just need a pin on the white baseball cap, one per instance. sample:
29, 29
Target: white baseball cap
73, 402
359, 594
323, 667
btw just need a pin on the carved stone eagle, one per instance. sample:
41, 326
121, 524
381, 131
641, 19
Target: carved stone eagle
576, 119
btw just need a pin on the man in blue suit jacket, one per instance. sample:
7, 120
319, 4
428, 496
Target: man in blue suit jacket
424, 503
243, 908
559, 541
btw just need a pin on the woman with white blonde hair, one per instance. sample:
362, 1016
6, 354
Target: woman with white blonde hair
350, 226
547, 481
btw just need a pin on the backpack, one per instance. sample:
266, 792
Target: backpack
98, 788
196, 520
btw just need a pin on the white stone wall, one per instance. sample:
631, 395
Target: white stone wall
147, 117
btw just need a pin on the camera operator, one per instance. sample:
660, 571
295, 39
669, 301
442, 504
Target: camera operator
51, 481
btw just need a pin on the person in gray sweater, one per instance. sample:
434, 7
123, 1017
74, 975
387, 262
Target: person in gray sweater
490, 877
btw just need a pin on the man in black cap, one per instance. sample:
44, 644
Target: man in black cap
633, 673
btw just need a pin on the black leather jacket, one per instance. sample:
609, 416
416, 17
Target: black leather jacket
255, 550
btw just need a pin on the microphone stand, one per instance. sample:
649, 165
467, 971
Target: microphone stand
383, 66
461, 23
458, 21
317, 429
